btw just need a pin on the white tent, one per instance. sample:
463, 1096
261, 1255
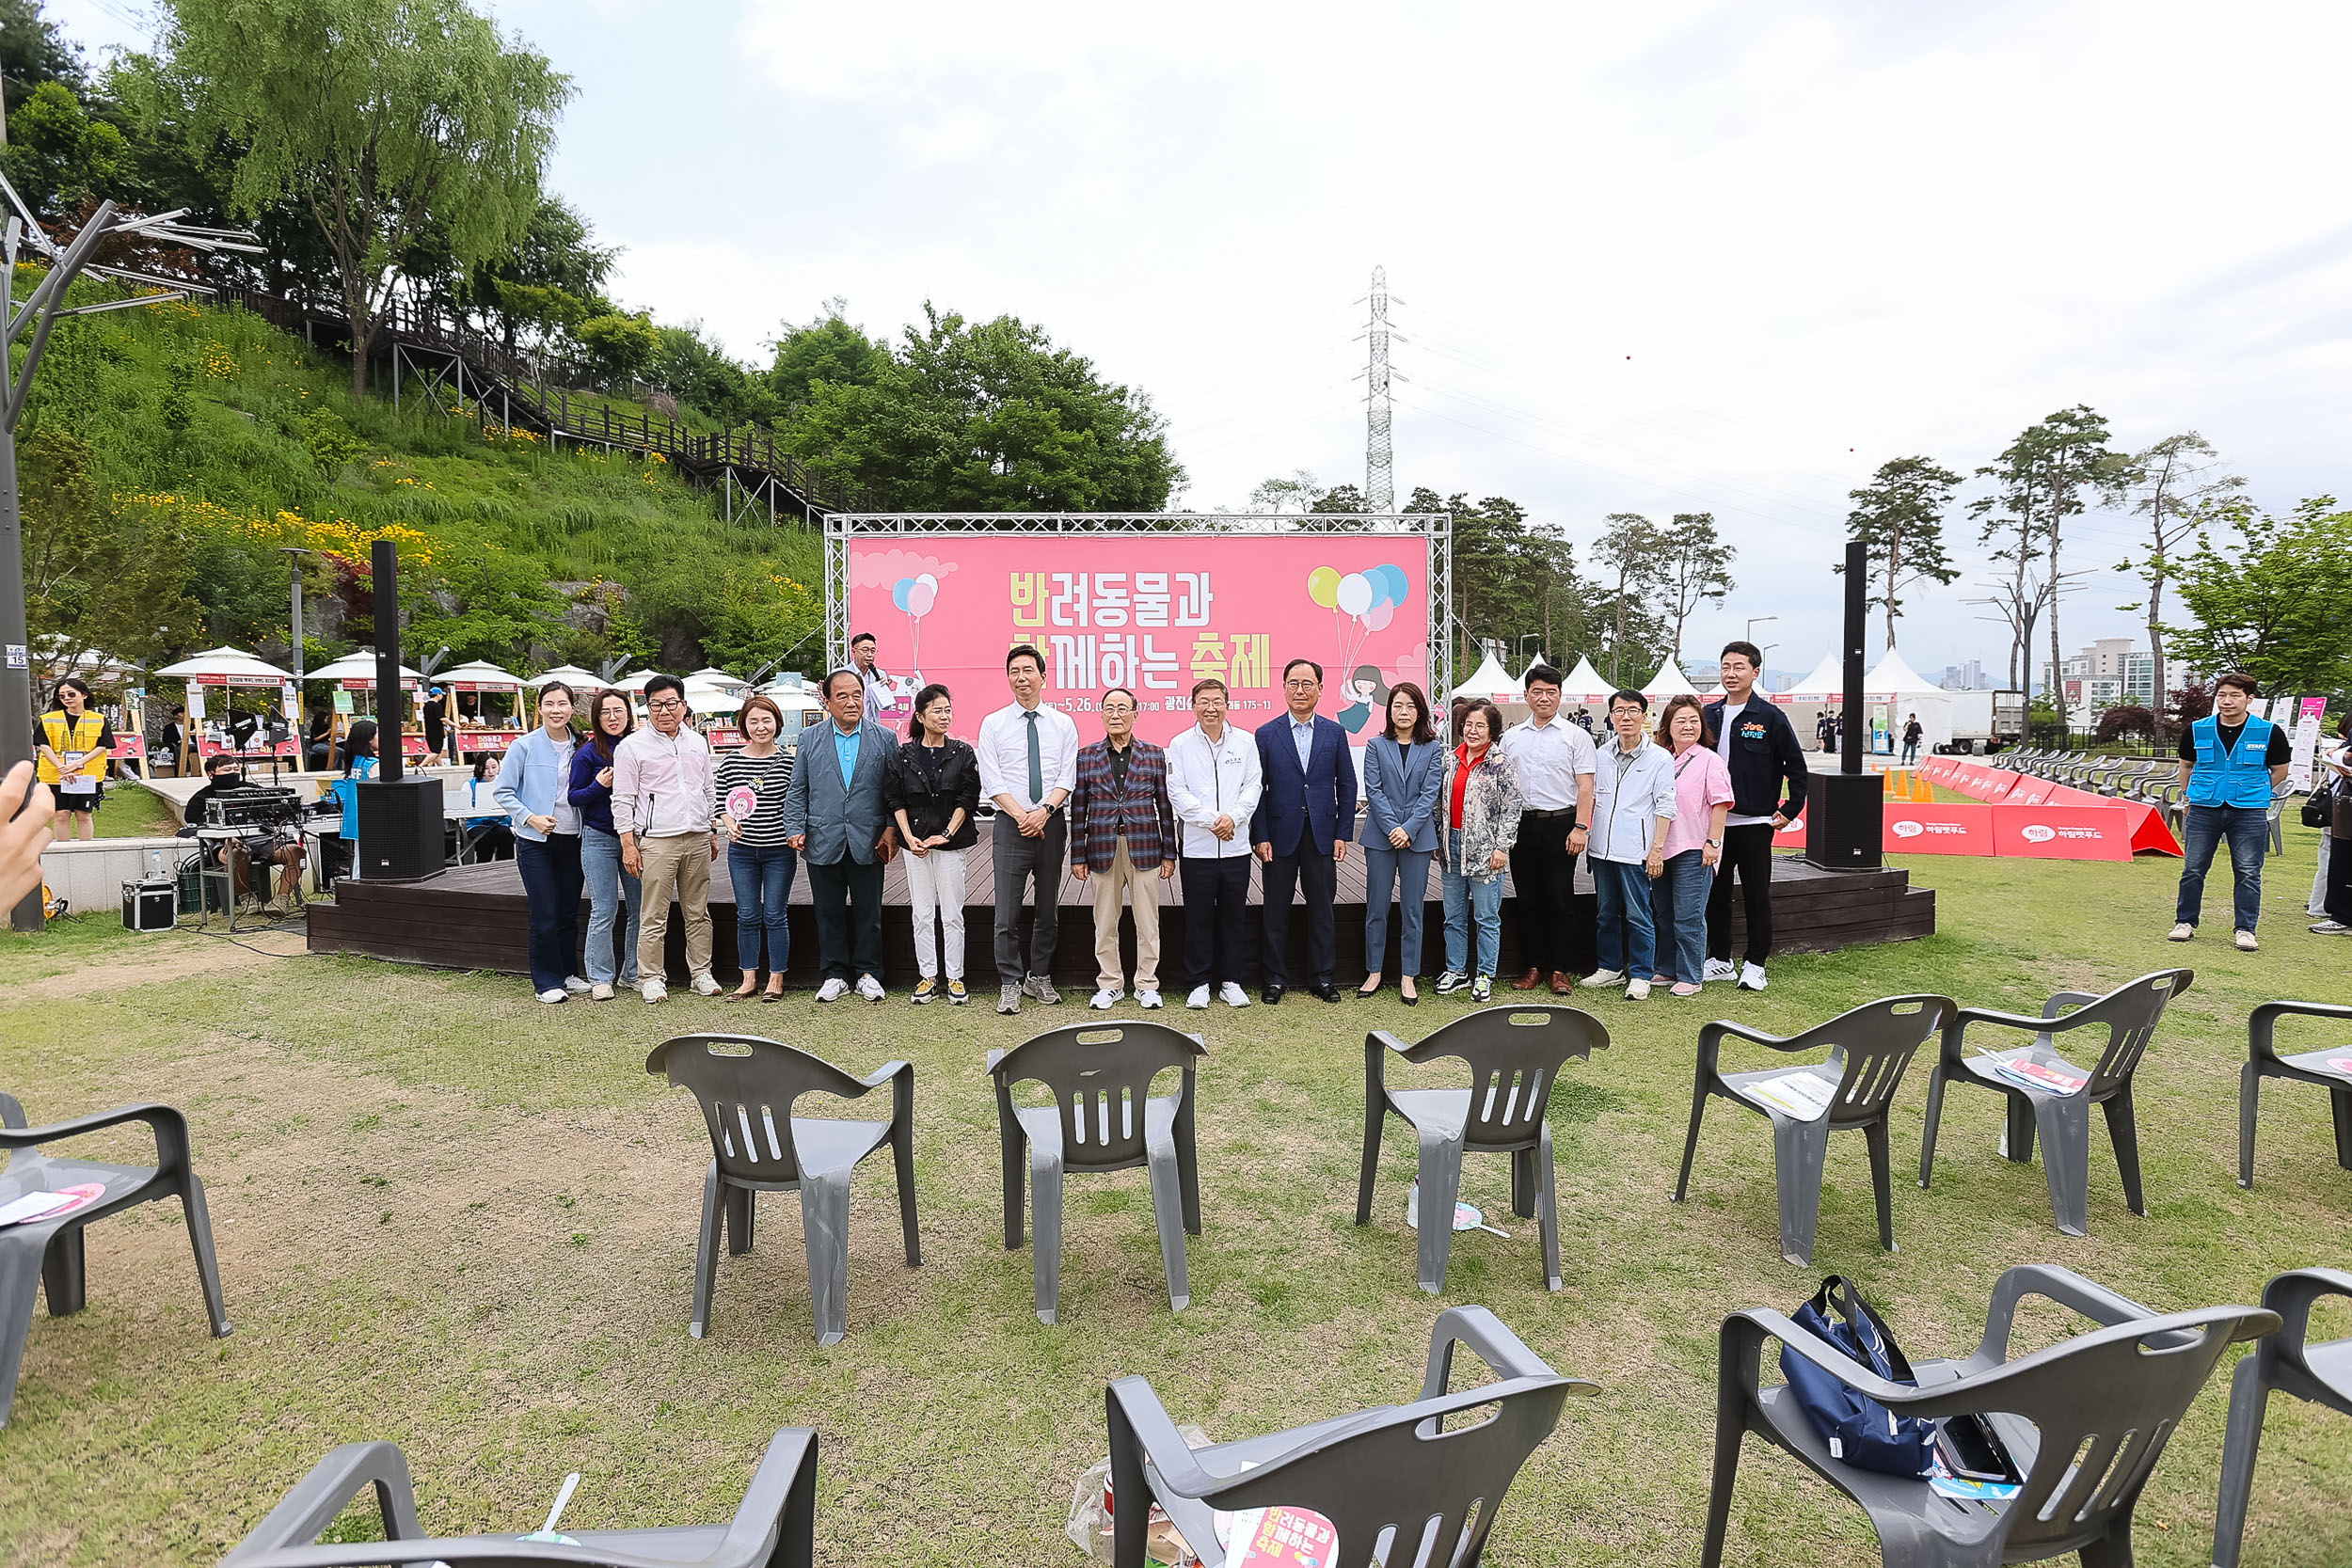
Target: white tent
1894, 692
704, 700
1585, 685
1669, 682
1828, 680
634, 682
708, 675
1717, 691
358, 670
225, 666
481, 676
579, 680
1490, 680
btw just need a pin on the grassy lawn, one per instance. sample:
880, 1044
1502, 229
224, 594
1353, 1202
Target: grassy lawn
133, 811
457, 1220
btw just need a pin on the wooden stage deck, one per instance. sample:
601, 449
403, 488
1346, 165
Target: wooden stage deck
473, 917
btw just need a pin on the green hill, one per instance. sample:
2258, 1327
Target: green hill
169, 452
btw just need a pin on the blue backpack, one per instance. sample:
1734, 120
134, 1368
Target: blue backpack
1859, 1431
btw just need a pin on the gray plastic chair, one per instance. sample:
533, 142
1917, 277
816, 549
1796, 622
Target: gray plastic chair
2311, 1067
1407, 1483
2130, 1014
2290, 1363
1100, 1076
2086, 1421
747, 1087
47, 1254
1871, 1048
1515, 1056
776, 1526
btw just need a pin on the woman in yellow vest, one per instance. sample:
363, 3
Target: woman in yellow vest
75, 743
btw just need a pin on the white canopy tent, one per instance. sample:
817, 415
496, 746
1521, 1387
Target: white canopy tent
1826, 682
358, 670
225, 666
479, 675
1490, 680
634, 682
1669, 682
579, 680
1900, 691
704, 700
1585, 685
708, 675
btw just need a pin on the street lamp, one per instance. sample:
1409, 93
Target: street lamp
41, 310
1756, 621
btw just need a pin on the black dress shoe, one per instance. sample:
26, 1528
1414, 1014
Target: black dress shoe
1327, 990
1273, 994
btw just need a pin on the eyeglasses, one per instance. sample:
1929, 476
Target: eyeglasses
1118, 707
1302, 685
664, 705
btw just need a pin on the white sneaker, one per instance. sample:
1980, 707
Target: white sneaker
1718, 969
1233, 995
2182, 932
832, 990
576, 986
2245, 943
2329, 928
1148, 1000
1637, 991
870, 988
554, 995
1009, 1001
654, 991
1752, 977
1106, 1000
600, 991
705, 985
1200, 997
1605, 977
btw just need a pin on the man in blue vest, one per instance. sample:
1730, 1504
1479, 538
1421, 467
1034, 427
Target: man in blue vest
2231, 762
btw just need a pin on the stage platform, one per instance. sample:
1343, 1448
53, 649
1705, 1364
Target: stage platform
473, 917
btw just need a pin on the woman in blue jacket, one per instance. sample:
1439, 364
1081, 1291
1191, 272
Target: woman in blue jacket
611, 890
1403, 768
534, 791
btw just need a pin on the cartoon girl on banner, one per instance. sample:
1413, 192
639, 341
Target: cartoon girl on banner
1366, 695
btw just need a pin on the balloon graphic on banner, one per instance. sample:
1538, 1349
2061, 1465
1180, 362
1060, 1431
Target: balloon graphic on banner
917, 595
1362, 603
1379, 616
1355, 594
1323, 586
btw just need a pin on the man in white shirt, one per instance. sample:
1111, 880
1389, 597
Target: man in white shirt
878, 700
661, 802
1213, 782
1555, 761
1633, 810
1029, 758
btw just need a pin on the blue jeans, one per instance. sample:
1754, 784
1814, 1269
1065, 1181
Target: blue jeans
1628, 941
1911, 752
611, 891
1408, 871
762, 875
2247, 829
1467, 900
551, 877
1678, 904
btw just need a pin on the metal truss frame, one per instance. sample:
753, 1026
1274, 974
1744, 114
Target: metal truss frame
841, 528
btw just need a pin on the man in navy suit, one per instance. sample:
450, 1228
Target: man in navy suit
1302, 826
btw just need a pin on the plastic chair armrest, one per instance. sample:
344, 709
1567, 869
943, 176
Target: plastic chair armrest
1382, 1037
2262, 1028
170, 1127
995, 1056
2055, 1283
2294, 1293
2067, 999
1163, 1446
318, 1497
1758, 1325
1504, 1353
760, 1516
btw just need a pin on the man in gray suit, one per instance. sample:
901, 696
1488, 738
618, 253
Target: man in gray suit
833, 812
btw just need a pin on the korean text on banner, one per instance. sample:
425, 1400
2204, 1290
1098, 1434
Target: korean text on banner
2062, 832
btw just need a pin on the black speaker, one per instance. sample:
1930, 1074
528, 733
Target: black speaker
1844, 822
400, 828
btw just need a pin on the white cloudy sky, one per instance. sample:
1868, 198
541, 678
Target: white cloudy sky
1689, 255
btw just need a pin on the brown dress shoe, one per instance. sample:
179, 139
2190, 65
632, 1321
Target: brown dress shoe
1562, 982
1529, 981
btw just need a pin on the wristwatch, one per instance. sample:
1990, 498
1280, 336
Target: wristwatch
1715, 844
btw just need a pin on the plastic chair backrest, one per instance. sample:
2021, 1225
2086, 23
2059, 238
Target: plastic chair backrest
1413, 1473
746, 1086
2104, 1404
1515, 1056
1872, 1045
1099, 1076
2131, 1012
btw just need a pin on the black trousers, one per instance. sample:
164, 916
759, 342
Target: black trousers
2338, 902
1022, 864
1216, 897
552, 884
848, 901
1748, 855
1318, 877
1555, 929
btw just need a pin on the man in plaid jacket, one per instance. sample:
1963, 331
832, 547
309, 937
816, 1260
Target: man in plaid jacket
1122, 827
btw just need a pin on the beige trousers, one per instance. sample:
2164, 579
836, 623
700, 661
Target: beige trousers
1140, 884
679, 864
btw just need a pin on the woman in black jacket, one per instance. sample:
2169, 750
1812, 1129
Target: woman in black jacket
931, 786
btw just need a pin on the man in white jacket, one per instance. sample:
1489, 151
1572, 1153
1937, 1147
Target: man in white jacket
1633, 810
1213, 782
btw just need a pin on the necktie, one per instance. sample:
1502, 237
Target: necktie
1037, 764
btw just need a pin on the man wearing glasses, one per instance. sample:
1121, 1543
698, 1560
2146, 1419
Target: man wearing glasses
662, 800
1301, 826
1121, 829
1029, 766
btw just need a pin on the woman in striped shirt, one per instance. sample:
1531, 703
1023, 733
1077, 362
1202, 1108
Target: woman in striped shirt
749, 786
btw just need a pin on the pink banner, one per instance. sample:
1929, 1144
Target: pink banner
1153, 612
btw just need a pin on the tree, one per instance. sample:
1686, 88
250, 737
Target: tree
1298, 492
546, 282
378, 117
58, 157
619, 347
2116, 723
1898, 517
2168, 484
1694, 569
1631, 551
33, 51
827, 350
481, 601
97, 578
695, 369
2052, 471
988, 417
1341, 500
2270, 601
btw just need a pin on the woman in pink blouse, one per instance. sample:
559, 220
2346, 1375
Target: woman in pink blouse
1702, 799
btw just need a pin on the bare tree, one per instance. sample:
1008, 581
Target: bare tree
1695, 569
1298, 492
2168, 484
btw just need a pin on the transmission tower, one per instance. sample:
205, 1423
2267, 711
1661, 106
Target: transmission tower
1379, 463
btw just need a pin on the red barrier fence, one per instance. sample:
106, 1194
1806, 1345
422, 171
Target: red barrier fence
2053, 807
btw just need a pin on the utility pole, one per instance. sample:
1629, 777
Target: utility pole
1379, 463
40, 311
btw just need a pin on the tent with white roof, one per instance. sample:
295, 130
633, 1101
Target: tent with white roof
1490, 680
1585, 685
1828, 680
1669, 682
571, 676
1901, 691
358, 672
